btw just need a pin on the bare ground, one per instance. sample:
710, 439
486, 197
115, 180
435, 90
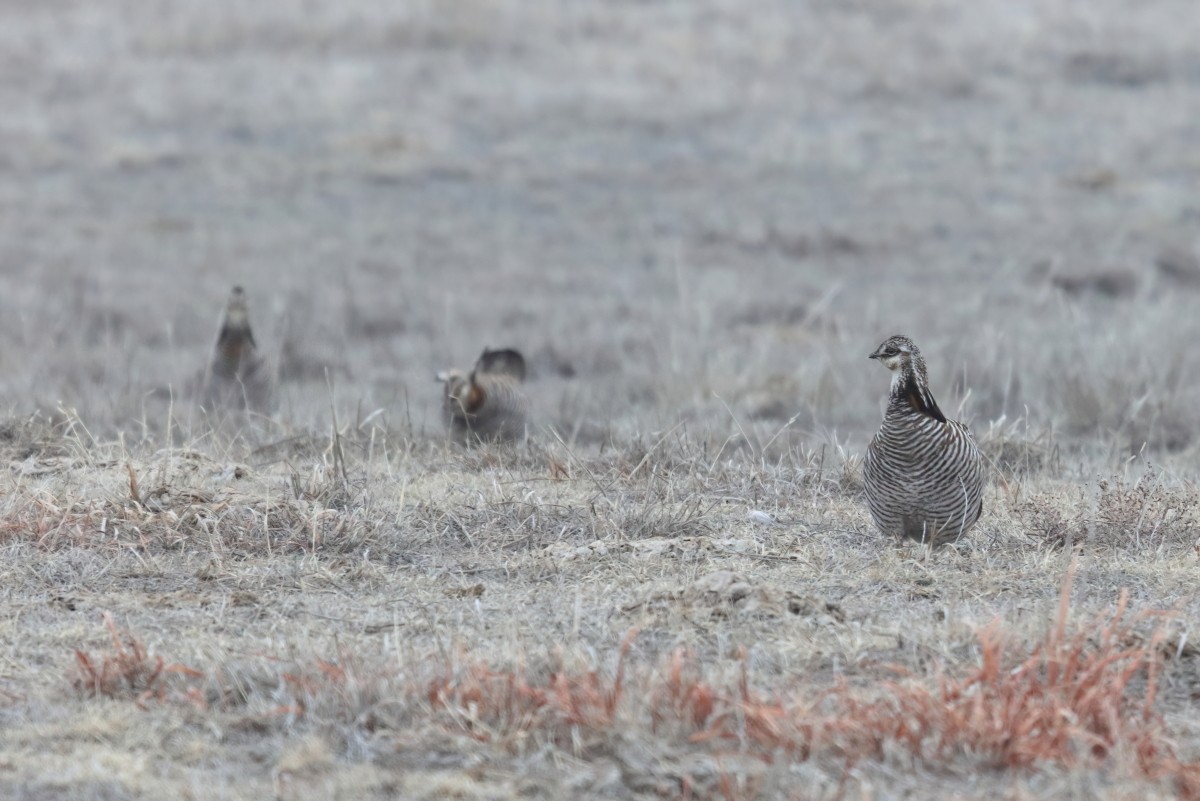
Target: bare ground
695, 219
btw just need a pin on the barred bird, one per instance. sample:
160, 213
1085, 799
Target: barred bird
237, 377
488, 404
923, 473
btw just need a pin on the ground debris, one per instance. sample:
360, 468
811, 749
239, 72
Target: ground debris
725, 593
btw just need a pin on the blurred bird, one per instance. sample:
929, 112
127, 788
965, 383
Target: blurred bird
923, 473
488, 404
1180, 265
237, 377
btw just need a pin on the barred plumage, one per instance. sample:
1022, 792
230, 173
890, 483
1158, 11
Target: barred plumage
923, 473
237, 377
489, 403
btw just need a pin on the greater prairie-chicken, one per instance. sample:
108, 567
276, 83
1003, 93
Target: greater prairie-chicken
237, 377
488, 404
923, 473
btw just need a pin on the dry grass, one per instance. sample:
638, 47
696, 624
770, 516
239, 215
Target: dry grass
694, 222
1152, 514
704, 621
128, 671
1083, 696
667, 615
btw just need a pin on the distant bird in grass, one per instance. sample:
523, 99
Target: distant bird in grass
237, 377
488, 404
923, 473
1180, 265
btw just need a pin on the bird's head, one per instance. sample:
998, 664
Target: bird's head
897, 352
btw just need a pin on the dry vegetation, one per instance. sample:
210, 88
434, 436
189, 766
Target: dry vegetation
408, 618
695, 221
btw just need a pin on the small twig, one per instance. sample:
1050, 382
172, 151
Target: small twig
133, 486
654, 447
583, 464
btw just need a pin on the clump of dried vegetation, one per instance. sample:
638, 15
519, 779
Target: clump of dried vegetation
1083, 695
129, 671
1146, 514
1015, 453
174, 499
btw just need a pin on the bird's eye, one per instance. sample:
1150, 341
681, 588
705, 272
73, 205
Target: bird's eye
891, 352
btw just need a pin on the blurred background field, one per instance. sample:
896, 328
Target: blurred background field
666, 205
695, 219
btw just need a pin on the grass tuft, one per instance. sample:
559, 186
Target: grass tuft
128, 671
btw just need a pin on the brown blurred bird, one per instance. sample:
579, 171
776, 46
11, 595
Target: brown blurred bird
488, 404
237, 377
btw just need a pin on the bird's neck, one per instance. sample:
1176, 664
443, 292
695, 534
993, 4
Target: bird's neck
910, 395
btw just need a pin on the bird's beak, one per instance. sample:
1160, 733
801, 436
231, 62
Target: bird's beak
873, 356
